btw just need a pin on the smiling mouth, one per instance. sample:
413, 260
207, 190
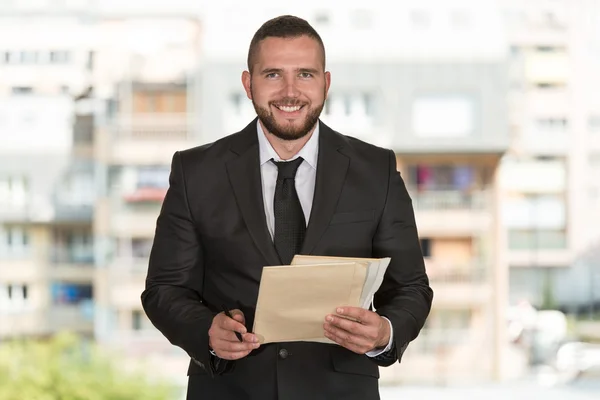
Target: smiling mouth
289, 109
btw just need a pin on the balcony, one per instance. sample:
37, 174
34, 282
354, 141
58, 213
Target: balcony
535, 141
460, 287
452, 355
28, 321
72, 317
452, 212
71, 263
133, 214
146, 139
544, 248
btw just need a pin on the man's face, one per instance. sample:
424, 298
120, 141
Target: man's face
288, 85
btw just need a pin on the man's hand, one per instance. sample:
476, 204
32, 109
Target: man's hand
370, 331
223, 341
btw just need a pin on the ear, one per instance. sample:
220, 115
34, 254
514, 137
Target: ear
247, 83
327, 82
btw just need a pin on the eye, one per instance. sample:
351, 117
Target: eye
305, 75
272, 75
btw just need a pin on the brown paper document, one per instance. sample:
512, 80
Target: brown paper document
376, 268
294, 300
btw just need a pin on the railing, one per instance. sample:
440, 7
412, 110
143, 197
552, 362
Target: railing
72, 255
167, 126
458, 275
432, 340
429, 200
537, 240
129, 265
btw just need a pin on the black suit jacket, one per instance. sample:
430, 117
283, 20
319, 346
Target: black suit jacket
211, 243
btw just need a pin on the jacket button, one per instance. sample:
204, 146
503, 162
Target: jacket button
283, 353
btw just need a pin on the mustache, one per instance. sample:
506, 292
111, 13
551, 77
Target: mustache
286, 101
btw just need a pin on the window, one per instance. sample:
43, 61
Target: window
426, 247
90, 61
450, 319
73, 246
59, 57
29, 57
536, 239
141, 247
13, 296
13, 190
594, 124
235, 99
22, 90
552, 124
350, 105
445, 177
14, 241
443, 116
151, 103
322, 18
136, 320
70, 293
153, 177
528, 212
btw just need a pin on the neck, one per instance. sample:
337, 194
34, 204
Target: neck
287, 149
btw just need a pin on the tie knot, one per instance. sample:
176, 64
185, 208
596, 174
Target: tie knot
287, 169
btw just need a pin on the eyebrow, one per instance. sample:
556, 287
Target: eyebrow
267, 71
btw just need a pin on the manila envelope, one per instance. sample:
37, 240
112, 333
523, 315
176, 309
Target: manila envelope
294, 300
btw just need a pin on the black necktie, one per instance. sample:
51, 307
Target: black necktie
290, 224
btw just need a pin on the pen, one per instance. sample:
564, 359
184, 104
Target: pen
226, 311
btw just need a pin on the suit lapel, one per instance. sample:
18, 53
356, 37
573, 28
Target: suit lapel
245, 178
332, 166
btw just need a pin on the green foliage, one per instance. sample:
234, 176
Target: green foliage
65, 368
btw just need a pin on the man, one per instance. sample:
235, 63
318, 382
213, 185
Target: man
286, 184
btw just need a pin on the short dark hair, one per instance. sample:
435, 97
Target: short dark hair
284, 26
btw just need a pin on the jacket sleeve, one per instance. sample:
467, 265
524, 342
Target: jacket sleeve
405, 296
172, 298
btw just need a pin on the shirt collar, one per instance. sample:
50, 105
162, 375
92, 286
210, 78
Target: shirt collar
309, 152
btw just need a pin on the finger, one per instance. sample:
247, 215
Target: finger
348, 343
233, 345
360, 314
238, 315
250, 338
231, 324
226, 355
346, 336
351, 327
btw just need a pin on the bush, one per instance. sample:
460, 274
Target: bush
66, 368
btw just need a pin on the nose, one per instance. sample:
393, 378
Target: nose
290, 87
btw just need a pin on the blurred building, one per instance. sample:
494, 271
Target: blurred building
46, 178
90, 115
436, 94
549, 178
150, 113
496, 124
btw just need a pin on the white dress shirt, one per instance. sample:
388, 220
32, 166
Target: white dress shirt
305, 186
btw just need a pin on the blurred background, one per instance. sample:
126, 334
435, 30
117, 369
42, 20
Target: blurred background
493, 109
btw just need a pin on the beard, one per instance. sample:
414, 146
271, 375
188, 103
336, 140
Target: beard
288, 131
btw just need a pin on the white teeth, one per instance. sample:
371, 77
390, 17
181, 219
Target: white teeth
288, 108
